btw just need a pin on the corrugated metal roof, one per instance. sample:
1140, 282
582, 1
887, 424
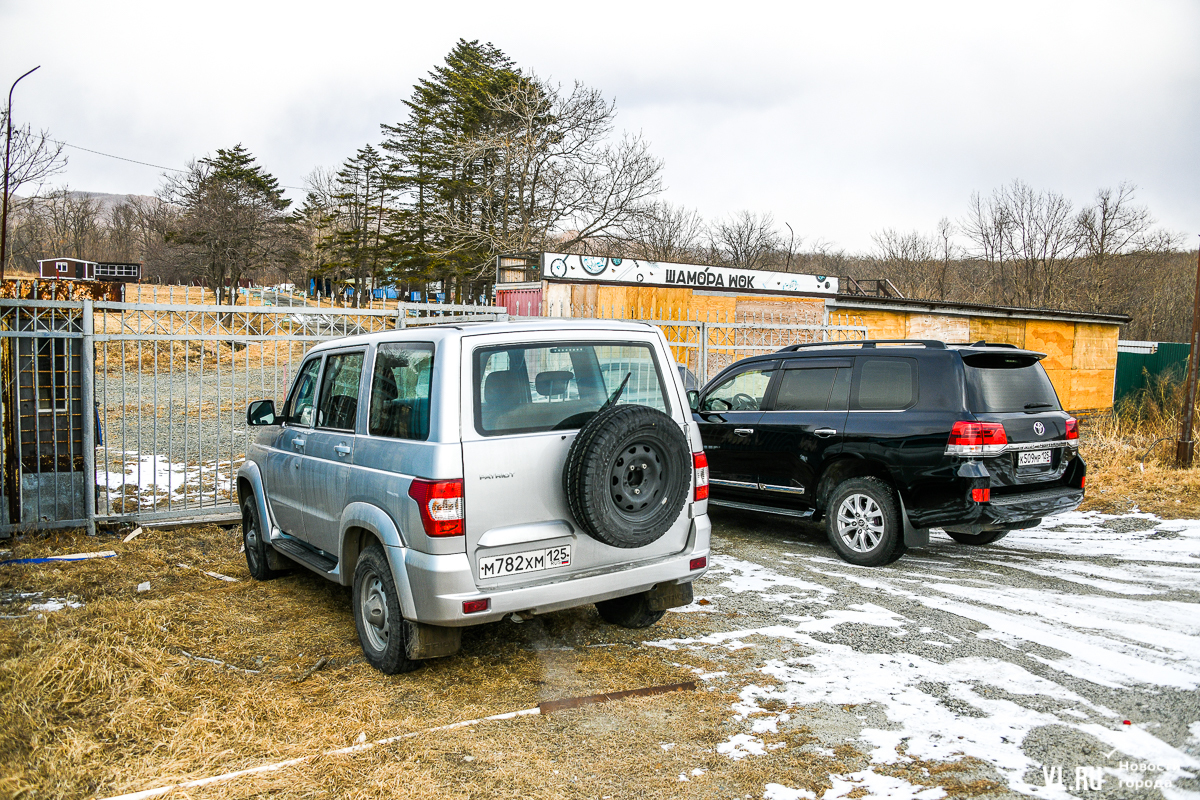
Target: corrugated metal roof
945, 306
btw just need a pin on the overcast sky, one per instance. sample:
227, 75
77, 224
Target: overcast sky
839, 118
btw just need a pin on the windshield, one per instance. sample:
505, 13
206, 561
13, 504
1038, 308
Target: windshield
998, 384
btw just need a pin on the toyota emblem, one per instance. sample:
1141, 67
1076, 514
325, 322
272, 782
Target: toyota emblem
1039, 428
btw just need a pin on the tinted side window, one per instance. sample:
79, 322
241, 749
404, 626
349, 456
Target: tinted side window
805, 389
299, 408
400, 391
886, 384
742, 392
339, 391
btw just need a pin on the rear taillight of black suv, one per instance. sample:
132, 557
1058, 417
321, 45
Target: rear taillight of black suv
976, 439
1072, 428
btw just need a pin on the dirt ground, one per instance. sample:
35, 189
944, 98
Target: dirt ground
105, 698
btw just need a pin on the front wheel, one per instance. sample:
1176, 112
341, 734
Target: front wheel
255, 542
377, 615
863, 523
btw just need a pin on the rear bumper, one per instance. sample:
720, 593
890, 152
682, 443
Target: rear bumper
439, 584
1031, 505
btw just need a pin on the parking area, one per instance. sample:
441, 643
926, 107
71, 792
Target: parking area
1070, 650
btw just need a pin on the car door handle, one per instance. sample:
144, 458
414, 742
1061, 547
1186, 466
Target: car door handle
342, 449
824, 433
298, 444
743, 431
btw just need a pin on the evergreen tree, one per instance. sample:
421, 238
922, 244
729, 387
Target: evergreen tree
233, 219
453, 103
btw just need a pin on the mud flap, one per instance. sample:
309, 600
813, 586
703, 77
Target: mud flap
669, 595
276, 559
913, 537
430, 641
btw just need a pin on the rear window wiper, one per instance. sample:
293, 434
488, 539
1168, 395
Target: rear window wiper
612, 401
1039, 405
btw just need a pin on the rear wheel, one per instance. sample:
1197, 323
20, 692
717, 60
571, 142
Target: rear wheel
631, 611
254, 540
863, 523
985, 537
381, 630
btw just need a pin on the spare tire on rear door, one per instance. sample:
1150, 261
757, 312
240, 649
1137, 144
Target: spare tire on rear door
627, 475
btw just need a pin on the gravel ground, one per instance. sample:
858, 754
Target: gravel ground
1026, 654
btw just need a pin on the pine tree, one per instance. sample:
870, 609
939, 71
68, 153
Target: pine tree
453, 103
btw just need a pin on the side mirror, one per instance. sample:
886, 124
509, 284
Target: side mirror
693, 397
261, 412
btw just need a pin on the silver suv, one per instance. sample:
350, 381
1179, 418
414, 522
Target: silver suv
458, 474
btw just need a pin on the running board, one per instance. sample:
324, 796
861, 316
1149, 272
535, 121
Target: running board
783, 512
305, 555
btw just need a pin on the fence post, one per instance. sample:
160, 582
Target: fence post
703, 365
400, 315
87, 379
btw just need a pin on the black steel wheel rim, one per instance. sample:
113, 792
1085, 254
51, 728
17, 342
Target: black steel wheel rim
250, 539
638, 478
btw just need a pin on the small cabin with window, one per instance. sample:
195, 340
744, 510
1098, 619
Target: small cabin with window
69, 269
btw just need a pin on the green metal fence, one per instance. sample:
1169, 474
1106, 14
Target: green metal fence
1134, 370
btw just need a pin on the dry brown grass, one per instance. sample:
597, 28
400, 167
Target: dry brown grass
1131, 452
100, 700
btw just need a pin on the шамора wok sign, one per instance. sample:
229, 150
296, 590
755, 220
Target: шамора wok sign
599, 269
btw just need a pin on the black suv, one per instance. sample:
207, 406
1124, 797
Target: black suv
886, 439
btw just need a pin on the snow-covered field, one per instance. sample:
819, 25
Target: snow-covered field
1065, 657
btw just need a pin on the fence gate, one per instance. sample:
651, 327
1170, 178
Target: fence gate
149, 399
48, 424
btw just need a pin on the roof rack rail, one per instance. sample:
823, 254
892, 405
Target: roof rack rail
931, 344
793, 347
982, 343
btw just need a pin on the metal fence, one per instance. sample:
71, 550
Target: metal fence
150, 398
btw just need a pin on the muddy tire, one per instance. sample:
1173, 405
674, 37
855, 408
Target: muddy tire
863, 523
986, 537
631, 611
627, 476
381, 629
254, 539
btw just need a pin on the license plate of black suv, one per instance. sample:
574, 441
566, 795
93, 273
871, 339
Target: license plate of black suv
1033, 458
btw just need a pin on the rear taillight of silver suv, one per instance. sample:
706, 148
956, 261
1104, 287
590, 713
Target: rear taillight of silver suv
700, 464
441, 505
976, 439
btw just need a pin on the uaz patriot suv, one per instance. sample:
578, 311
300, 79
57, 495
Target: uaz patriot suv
887, 439
458, 474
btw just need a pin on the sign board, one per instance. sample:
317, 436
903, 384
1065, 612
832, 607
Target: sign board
600, 269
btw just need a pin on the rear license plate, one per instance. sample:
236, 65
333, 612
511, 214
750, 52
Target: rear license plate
1032, 458
529, 561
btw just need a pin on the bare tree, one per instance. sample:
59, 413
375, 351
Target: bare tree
33, 159
663, 232
1110, 227
1029, 241
549, 170
746, 240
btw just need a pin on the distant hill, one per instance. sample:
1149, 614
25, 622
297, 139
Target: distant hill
107, 201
